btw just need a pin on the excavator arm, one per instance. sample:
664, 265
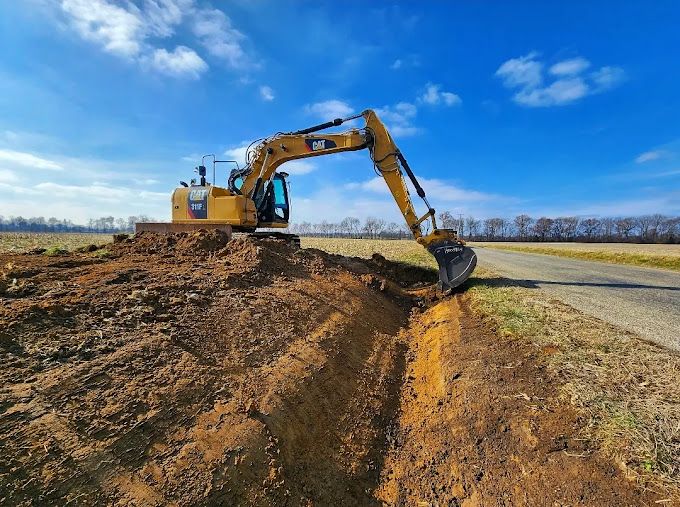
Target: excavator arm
456, 261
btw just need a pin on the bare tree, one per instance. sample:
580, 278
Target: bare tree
559, 228
590, 227
571, 227
644, 224
472, 227
392, 229
446, 220
670, 230
351, 226
608, 225
493, 228
373, 226
523, 224
656, 221
542, 227
624, 226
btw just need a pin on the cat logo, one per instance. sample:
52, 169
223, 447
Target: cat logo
198, 195
319, 144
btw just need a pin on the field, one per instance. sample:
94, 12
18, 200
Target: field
17, 242
654, 256
190, 370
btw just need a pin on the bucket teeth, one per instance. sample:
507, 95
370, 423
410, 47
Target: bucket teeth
456, 262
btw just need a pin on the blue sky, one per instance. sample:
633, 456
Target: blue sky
500, 107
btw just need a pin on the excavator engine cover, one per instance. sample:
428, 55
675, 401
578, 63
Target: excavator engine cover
456, 262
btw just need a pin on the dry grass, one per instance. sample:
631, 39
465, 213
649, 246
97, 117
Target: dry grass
629, 389
654, 256
394, 250
17, 242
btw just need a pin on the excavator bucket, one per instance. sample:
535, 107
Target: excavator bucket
456, 262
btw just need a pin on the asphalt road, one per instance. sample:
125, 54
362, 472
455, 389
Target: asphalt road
643, 300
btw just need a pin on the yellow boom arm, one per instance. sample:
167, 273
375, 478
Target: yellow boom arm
456, 261
281, 148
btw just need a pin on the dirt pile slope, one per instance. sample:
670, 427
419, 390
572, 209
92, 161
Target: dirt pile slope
185, 369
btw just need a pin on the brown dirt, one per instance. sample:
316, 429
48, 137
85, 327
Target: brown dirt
188, 370
481, 424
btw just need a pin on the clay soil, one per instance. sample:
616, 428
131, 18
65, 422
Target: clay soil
189, 370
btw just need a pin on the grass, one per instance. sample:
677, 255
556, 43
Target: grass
394, 250
18, 242
55, 251
628, 390
643, 257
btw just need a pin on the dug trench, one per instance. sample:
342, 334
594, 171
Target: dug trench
189, 370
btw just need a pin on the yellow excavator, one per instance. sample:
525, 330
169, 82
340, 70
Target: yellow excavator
257, 195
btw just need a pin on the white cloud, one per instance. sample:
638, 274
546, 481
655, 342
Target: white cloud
118, 30
7, 176
163, 15
127, 30
570, 67
372, 198
560, 92
329, 109
667, 203
145, 181
433, 96
649, 156
216, 33
238, 153
294, 167
608, 77
436, 190
81, 202
298, 167
525, 74
398, 119
524, 71
397, 64
29, 160
182, 62
266, 93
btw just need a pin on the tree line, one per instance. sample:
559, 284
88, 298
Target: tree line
40, 224
655, 228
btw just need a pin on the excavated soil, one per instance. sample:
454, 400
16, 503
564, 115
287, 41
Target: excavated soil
188, 370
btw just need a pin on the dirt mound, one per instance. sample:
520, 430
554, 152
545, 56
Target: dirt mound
185, 369
181, 243
191, 370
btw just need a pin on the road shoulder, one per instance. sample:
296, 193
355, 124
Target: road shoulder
626, 388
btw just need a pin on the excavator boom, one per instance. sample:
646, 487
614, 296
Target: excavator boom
257, 195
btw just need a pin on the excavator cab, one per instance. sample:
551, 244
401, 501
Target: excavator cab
274, 208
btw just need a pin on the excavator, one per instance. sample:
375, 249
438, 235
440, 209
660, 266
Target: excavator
256, 195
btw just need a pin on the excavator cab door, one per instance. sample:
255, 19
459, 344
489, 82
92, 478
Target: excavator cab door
276, 206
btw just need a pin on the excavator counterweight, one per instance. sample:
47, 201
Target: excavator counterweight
256, 196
